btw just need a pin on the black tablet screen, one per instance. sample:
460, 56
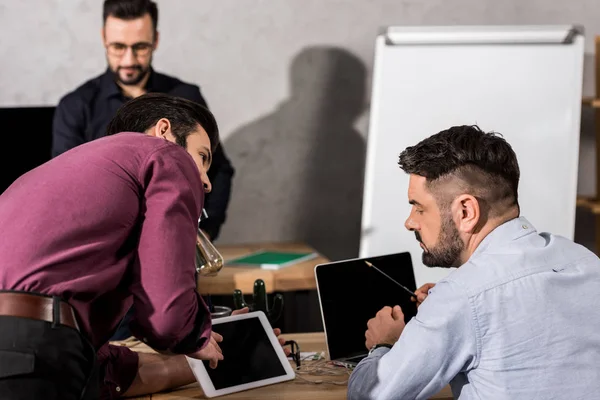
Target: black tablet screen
248, 355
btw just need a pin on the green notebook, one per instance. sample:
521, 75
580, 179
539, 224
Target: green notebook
270, 259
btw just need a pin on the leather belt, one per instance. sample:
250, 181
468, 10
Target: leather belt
34, 306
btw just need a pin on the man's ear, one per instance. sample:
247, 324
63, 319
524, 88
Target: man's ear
162, 129
467, 212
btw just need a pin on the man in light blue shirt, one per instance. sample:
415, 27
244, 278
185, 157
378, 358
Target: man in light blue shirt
519, 318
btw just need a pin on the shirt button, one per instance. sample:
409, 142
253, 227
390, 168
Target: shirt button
118, 388
525, 227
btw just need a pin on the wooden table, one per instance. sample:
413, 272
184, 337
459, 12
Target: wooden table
292, 390
296, 277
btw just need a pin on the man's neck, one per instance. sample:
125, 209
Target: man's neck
134, 91
491, 224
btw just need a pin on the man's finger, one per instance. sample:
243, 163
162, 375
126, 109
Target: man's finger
387, 310
281, 341
425, 288
368, 344
215, 360
397, 313
217, 337
277, 331
370, 323
240, 311
218, 349
213, 346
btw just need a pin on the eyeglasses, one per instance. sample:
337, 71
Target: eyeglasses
138, 49
295, 354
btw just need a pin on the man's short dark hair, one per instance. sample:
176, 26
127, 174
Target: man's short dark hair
142, 113
130, 9
478, 163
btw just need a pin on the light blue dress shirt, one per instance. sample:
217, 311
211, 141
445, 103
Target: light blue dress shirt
519, 320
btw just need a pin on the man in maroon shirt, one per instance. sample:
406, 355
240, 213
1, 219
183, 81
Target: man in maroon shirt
108, 224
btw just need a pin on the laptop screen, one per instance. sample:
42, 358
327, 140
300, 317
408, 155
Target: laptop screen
351, 293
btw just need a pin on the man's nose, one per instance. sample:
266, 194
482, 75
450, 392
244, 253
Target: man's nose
128, 57
410, 224
206, 183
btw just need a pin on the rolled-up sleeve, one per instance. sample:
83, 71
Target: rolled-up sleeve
438, 344
169, 315
118, 367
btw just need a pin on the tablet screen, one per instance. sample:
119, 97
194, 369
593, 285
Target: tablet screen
248, 355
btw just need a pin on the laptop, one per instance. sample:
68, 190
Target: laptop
351, 293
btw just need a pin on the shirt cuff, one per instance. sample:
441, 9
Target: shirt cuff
379, 352
118, 368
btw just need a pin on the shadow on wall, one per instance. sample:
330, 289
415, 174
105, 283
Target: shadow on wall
299, 170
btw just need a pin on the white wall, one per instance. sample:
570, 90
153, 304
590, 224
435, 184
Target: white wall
294, 180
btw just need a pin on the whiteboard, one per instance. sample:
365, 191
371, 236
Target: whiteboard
524, 82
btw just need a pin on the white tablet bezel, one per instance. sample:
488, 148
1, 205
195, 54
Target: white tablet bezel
204, 380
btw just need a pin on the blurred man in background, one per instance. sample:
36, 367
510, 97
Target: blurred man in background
130, 37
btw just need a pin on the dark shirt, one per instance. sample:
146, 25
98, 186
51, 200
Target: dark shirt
83, 115
106, 225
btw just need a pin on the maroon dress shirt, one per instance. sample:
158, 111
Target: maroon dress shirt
109, 224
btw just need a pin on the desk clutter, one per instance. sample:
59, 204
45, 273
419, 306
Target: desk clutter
315, 367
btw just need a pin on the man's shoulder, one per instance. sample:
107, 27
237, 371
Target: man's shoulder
83, 93
171, 85
526, 256
141, 146
170, 82
132, 142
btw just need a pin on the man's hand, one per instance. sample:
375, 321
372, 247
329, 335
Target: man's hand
276, 331
211, 351
386, 327
422, 293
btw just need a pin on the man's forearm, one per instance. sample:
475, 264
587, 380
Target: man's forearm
157, 372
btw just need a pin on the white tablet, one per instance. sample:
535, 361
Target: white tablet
252, 357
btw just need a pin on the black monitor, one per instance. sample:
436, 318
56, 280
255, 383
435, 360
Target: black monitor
26, 142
